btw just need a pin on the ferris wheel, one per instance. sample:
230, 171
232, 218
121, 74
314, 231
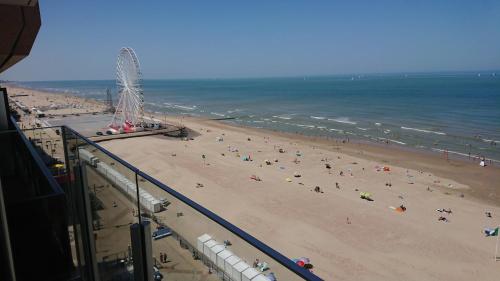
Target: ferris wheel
130, 108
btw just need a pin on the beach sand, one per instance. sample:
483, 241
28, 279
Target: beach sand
378, 244
54, 103
346, 237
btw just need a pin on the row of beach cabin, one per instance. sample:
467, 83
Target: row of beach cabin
232, 266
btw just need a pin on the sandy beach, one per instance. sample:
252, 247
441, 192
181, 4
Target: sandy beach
301, 196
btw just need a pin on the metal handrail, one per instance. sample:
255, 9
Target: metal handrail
38, 160
280, 258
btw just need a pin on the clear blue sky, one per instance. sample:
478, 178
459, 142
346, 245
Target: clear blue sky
197, 39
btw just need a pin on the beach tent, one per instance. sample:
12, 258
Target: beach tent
221, 258
228, 264
365, 195
491, 231
238, 269
214, 251
201, 240
249, 274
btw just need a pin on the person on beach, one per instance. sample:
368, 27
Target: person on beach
443, 219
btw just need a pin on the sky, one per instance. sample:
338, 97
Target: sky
80, 40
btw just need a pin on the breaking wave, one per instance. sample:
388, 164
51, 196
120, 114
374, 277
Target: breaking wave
423, 131
343, 120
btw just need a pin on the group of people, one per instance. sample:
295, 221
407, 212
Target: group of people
163, 257
443, 210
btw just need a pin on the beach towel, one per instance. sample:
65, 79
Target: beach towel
254, 177
400, 210
491, 231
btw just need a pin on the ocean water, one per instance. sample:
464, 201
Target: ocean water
458, 112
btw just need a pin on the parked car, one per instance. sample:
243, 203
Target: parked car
161, 232
157, 276
99, 133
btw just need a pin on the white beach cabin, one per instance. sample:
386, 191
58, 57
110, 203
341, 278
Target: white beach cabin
228, 265
238, 269
260, 277
221, 258
214, 251
207, 245
201, 240
249, 274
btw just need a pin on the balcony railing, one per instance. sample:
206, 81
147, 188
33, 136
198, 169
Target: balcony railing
106, 196
35, 223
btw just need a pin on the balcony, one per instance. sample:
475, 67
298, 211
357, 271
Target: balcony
114, 222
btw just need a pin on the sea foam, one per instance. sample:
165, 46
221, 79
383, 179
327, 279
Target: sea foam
343, 120
282, 117
423, 131
217, 114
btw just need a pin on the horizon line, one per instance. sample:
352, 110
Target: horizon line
287, 76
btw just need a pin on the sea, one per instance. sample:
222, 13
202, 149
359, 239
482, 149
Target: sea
454, 112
